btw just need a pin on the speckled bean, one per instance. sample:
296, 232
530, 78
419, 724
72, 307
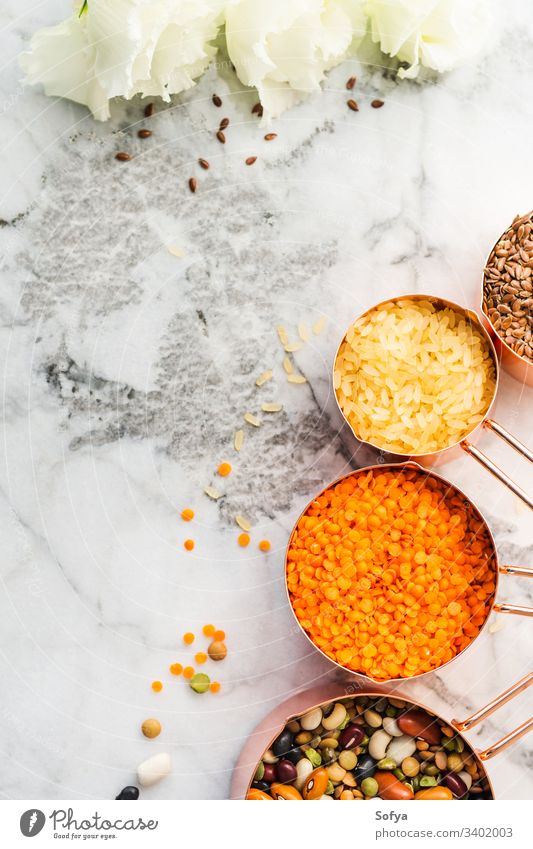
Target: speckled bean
335, 718
311, 720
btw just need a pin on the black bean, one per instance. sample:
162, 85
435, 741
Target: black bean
128, 793
365, 767
283, 743
261, 785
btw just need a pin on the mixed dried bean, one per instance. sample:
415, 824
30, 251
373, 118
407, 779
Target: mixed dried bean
368, 746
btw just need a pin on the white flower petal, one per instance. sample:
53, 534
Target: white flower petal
439, 34
284, 47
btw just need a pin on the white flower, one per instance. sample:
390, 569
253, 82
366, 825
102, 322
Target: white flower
284, 47
439, 34
123, 48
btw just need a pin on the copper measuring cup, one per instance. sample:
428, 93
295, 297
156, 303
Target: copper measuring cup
273, 724
517, 366
467, 443
497, 607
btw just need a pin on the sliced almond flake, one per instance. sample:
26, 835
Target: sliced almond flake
287, 365
282, 333
496, 626
292, 347
266, 375
318, 326
271, 407
243, 523
252, 420
238, 439
212, 492
296, 378
175, 250
303, 331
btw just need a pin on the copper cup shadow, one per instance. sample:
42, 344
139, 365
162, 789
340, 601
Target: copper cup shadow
497, 607
467, 443
273, 724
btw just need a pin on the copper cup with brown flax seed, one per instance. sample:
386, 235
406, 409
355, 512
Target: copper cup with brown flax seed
507, 298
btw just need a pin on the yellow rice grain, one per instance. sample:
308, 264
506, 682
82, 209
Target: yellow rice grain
412, 378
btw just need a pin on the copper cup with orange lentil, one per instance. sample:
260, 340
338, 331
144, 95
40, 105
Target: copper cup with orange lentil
391, 572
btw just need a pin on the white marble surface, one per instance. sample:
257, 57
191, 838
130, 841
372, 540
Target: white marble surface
125, 371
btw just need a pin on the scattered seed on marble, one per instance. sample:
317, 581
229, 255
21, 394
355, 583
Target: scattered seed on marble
122, 156
144, 134
212, 492
282, 335
251, 160
217, 100
352, 104
154, 769
224, 123
292, 347
193, 183
203, 163
264, 377
296, 378
149, 110
303, 331
350, 82
238, 440
271, 136
252, 420
287, 365
377, 104
496, 626
271, 407
217, 650
200, 682
221, 137
318, 326
151, 728
257, 109
243, 523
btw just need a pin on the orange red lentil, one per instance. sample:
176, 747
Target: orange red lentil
224, 469
243, 540
188, 672
176, 668
187, 515
188, 638
157, 686
214, 687
208, 630
189, 544
218, 636
390, 573
264, 545
200, 658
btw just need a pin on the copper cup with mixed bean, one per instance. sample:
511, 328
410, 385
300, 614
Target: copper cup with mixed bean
366, 747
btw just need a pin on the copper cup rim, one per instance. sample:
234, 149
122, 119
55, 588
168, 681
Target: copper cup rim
507, 347
468, 313
413, 465
364, 692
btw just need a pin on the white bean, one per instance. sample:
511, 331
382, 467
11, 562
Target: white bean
154, 769
311, 720
391, 726
304, 768
401, 748
378, 744
336, 717
372, 718
467, 778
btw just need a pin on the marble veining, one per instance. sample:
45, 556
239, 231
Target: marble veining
127, 369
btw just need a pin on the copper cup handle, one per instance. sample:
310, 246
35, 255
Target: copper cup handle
489, 709
501, 607
492, 467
